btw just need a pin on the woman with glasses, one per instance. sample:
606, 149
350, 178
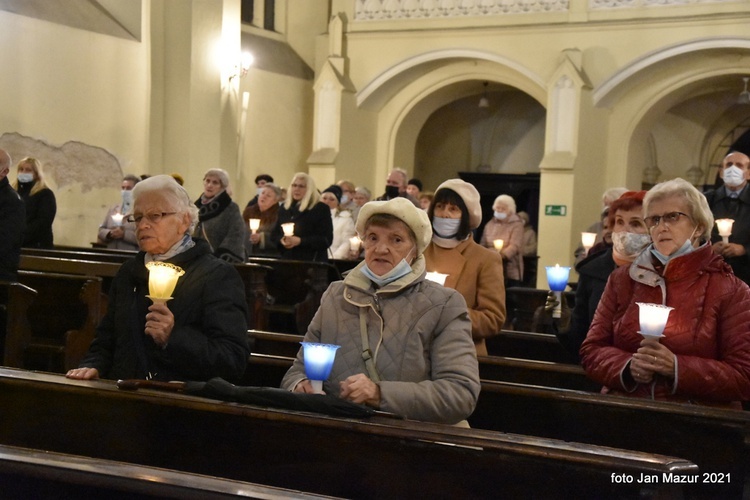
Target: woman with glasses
40, 202
201, 332
311, 229
405, 341
704, 355
219, 219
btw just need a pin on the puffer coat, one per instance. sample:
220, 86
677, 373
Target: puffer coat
420, 335
708, 330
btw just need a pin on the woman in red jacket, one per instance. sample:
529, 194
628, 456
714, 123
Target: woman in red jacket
704, 355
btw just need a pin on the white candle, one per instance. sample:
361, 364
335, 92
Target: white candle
162, 279
117, 219
498, 244
254, 225
354, 243
725, 228
588, 240
438, 278
288, 228
652, 318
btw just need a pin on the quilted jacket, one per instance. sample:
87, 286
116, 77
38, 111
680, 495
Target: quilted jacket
708, 330
420, 334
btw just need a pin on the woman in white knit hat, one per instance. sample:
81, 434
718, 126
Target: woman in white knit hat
405, 341
476, 272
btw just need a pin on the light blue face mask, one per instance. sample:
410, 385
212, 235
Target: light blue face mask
445, 228
501, 215
344, 199
399, 270
127, 201
24, 178
685, 249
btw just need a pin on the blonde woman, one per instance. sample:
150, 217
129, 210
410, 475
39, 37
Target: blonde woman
313, 229
39, 199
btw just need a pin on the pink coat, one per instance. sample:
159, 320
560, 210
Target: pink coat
708, 330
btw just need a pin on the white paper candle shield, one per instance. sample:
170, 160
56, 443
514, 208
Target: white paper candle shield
725, 228
498, 244
653, 318
588, 239
254, 225
318, 362
288, 228
436, 277
117, 219
162, 279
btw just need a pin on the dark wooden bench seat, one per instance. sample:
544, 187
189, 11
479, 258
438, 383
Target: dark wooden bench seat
718, 440
379, 457
535, 372
53, 331
29, 473
528, 345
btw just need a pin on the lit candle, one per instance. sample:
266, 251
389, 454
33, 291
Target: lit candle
498, 244
318, 363
117, 219
725, 228
653, 319
162, 278
288, 228
254, 225
557, 277
588, 240
354, 243
436, 277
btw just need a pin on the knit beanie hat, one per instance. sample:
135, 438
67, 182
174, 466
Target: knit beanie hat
470, 195
336, 190
404, 210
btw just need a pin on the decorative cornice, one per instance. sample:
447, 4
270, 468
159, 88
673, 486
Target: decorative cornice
390, 10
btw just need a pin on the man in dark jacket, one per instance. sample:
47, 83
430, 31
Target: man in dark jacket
732, 201
12, 223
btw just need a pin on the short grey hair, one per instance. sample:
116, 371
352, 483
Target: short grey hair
364, 191
696, 202
132, 178
613, 194
168, 187
276, 189
220, 174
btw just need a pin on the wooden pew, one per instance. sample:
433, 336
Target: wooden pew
273, 354
17, 298
525, 371
717, 440
75, 253
57, 327
379, 457
528, 345
254, 276
29, 473
295, 288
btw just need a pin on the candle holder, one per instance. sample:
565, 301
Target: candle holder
588, 240
498, 244
288, 228
254, 225
162, 279
318, 363
436, 277
725, 228
652, 319
557, 277
117, 219
354, 243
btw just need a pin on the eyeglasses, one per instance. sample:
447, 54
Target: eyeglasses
153, 218
299, 185
671, 218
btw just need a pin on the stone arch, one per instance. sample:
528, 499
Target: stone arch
677, 94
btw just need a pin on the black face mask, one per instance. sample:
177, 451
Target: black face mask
391, 191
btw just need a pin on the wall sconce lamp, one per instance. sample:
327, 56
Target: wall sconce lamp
241, 68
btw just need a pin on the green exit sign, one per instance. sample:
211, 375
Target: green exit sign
555, 210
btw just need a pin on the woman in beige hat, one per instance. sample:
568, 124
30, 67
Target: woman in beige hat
405, 342
476, 272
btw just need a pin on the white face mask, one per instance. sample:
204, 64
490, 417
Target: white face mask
23, 178
734, 176
629, 245
500, 215
344, 199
